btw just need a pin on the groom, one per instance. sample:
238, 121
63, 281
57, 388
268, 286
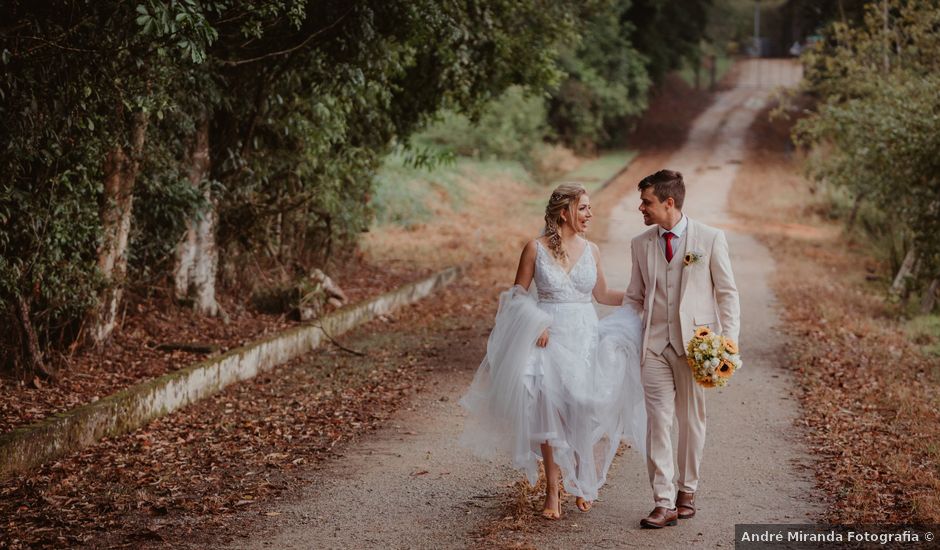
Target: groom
681, 280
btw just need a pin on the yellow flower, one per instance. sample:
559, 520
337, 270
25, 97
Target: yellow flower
730, 346
690, 258
701, 332
725, 369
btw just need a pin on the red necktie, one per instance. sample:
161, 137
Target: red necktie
668, 236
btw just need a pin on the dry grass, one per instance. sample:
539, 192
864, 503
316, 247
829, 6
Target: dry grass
494, 221
870, 396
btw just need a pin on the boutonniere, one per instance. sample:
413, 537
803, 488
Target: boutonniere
692, 257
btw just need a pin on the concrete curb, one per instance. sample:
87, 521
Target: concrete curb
616, 175
122, 412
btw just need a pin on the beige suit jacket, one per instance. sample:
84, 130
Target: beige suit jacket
708, 295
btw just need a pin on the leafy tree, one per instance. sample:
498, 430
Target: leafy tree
79, 84
149, 121
878, 122
606, 82
667, 32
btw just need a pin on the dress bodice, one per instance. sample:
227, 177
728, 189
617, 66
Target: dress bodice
554, 285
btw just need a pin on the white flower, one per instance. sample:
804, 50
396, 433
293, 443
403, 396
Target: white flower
714, 362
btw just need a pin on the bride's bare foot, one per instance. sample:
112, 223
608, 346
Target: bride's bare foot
552, 509
583, 505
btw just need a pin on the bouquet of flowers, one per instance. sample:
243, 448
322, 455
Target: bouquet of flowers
712, 358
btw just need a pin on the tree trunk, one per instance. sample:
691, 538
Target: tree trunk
929, 300
196, 255
900, 287
121, 169
30, 351
853, 215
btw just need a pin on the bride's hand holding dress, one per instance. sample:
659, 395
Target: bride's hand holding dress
556, 384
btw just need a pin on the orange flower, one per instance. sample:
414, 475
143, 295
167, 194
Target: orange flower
725, 369
702, 331
730, 346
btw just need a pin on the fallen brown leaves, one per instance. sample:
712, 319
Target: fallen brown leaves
870, 398
200, 474
132, 356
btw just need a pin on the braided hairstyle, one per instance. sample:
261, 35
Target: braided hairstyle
565, 197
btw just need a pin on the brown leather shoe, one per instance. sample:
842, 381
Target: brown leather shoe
659, 518
685, 504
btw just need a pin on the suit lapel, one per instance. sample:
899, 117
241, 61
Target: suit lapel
652, 249
690, 246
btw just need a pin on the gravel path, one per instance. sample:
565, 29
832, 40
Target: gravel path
411, 486
752, 471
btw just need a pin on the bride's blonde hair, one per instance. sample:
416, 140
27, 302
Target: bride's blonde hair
564, 198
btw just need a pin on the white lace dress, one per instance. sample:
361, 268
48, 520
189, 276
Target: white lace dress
581, 393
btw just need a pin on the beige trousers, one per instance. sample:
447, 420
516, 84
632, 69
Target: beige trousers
672, 393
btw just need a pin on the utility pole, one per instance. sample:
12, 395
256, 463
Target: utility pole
757, 48
887, 47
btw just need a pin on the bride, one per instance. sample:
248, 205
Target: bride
556, 384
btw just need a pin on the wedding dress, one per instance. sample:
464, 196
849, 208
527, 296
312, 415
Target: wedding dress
581, 393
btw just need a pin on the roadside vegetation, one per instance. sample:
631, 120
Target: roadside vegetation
862, 333
866, 374
186, 152
873, 138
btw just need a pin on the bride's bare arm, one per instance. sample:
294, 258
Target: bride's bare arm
526, 269
602, 294
524, 274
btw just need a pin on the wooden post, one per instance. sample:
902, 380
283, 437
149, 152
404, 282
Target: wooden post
713, 72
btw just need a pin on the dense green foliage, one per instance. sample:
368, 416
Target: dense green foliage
68, 93
303, 101
667, 31
299, 103
509, 127
878, 124
606, 82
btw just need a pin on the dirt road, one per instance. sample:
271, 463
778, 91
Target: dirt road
411, 486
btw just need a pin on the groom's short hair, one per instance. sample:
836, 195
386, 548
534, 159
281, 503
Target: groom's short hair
665, 184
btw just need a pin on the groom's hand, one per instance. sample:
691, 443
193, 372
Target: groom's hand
543, 339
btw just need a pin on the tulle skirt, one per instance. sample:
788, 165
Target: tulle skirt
581, 393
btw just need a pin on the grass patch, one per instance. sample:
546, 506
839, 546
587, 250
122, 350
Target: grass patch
594, 172
408, 196
925, 332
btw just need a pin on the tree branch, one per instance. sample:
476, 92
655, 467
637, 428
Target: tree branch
235, 63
